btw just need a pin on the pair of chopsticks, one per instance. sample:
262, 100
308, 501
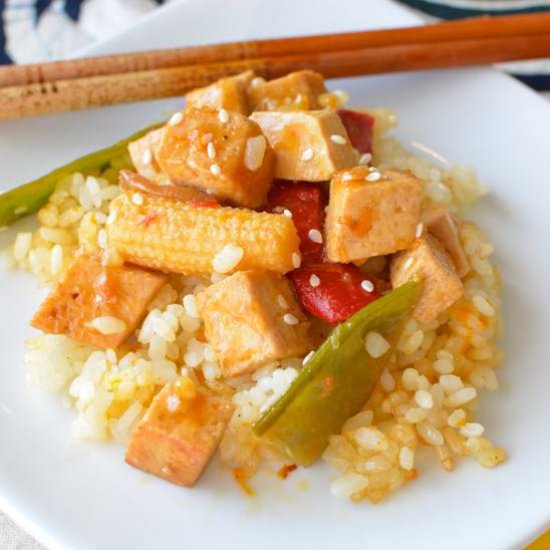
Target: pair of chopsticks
29, 90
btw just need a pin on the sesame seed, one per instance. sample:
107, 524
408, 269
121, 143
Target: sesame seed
315, 236
290, 319
307, 154
282, 301
287, 213
211, 150
296, 260
254, 152
365, 158
374, 176
367, 285
175, 119
147, 156
223, 116
227, 258
347, 177
314, 281
137, 199
257, 81
375, 344
215, 170
419, 230
172, 403
308, 357
338, 139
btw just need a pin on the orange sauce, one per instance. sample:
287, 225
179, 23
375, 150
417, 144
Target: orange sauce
286, 470
290, 139
359, 226
242, 481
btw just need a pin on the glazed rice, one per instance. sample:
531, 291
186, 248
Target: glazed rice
426, 397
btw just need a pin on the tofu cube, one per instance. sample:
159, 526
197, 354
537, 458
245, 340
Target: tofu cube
298, 91
305, 143
371, 213
443, 226
226, 157
179, 433
96, 304
252, 318
226, 93
427, 261
143, 153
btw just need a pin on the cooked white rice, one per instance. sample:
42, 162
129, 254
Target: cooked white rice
427, 395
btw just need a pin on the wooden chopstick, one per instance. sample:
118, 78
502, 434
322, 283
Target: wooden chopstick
468, 29
437, 51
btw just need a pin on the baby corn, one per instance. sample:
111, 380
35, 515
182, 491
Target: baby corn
191, 238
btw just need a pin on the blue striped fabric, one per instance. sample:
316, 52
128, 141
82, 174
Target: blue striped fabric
4, 58
26, 15
535, 73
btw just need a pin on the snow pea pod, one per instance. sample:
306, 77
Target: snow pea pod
336, 381
30, 197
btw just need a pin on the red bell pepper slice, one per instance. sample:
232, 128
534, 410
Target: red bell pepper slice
306, 202
360, 128
334, 292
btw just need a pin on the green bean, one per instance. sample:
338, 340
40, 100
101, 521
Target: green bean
336, 381
30, 197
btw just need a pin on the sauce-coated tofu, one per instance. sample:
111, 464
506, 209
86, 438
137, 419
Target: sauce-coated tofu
371, 213
143, 153
220, 152
118, 295
427, 261
309, 145
442, 225
226, 93
179, 433
252, 318
298, 91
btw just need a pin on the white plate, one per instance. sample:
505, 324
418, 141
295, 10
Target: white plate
75, 496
